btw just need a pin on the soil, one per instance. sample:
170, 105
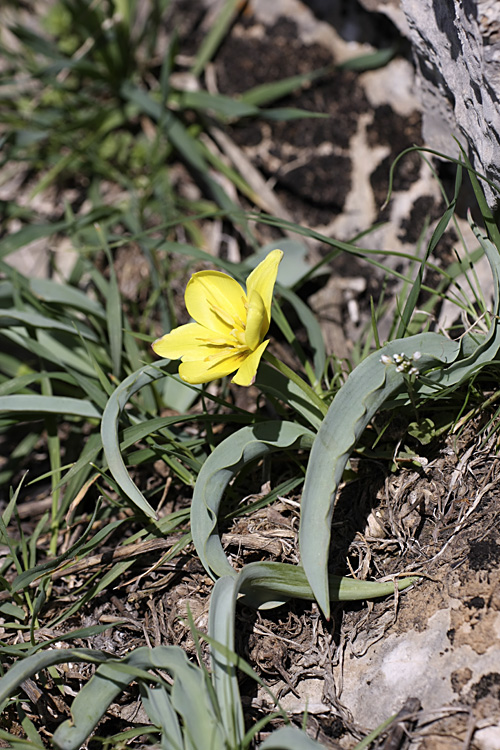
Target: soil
432, 651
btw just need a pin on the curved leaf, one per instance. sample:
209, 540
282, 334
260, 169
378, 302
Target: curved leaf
25, 668
189, 697
264, 585
63, 405
109, 430
366, 389
221, 466
363, 393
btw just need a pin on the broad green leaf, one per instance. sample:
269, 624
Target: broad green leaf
189, 697
266, 585
364, 392
290, 738
49, 405
228, 458
64, 294
92, 701
444, 363
158, 707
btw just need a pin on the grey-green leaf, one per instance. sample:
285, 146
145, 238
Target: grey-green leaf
109, 430
222, 465
445, 364
364, 392
49, 405
289, 738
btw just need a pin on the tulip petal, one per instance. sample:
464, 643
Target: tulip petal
229, 327
248, 370
257, 320
211, 368
216, 301
183, 341
263, 278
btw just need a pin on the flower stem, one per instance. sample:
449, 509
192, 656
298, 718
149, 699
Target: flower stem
312, 396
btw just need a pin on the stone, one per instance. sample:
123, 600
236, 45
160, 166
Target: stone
456, 48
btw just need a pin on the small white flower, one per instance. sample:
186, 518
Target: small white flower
403, 362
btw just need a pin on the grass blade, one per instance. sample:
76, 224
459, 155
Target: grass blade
215, 36
438, 232
271, 92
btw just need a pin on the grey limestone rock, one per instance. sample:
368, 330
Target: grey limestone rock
456, 45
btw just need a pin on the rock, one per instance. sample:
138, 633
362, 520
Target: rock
456, 47
488, 738
424, 664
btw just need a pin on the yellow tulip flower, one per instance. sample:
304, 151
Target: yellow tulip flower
230, 325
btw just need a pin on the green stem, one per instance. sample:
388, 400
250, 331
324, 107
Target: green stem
312, 396
288, 333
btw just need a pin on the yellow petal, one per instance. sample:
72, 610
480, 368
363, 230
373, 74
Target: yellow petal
182, 341
204, 371
216, 301
248, 370
257, 320
263, 278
